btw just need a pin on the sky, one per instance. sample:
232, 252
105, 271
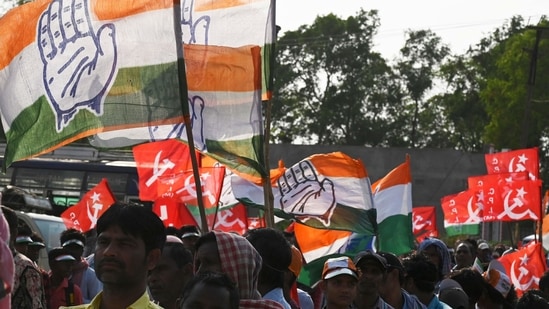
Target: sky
458, 23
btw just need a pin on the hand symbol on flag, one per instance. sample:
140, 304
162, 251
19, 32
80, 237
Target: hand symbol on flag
79, 64
304, 195
194, 32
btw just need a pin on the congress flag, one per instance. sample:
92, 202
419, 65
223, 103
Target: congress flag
330, 191
393, 203
98, 66
83, 216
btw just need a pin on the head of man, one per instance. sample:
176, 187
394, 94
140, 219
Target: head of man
189, 236
339, 282
74, 241
208, 290
129, 243
276, 253
420, 276
395, 274
23, 240
33, 248
464, 255
372, 270
61, 262
168, 278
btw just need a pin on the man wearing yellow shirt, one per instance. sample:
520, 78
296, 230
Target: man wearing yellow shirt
129, 244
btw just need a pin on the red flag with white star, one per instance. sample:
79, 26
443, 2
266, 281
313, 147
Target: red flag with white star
521, 201
525, 266
515, 161
83, 215
424, 222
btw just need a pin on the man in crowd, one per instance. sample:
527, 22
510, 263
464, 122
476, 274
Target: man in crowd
28, 289
82, 275
170, 275
210, 290
421, 277
465, 255
130, 239
60, 290
339, 281
372, 269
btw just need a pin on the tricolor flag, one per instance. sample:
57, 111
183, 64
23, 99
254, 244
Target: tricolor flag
329, 191
71, 69
393, 203
224, 41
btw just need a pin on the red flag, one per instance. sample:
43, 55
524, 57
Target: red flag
521, 201
525, 267
461, 208
232, 219
172, 212
153, 160
424, 222
521, 160
83, 215
489, 189
183, 187
256, 222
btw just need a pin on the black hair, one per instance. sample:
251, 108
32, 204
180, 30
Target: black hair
275, 251
422, 271
393, 262
172, 230
206, 238
71, 234
215, 279
178, 253
134, 220
532, 299
471, 282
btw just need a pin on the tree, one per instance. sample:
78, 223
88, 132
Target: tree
331, 87
420, 58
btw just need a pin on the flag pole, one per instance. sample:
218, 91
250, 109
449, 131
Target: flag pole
183, 96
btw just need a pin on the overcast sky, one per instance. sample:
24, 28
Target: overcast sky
459, 23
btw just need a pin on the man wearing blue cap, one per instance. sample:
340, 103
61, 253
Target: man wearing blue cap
372, 269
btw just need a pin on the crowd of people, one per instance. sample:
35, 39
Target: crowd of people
139, 263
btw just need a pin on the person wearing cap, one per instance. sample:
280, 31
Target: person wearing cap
499, 292
34, 248
420, 279
168, 278
484, 253
276, 254
23, 240
129, 244
339, 282
391, 288
372, 270
60, 290
82, 275
189, 236
452, 293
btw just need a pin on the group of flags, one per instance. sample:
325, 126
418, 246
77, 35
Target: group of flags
125, 73
510, 191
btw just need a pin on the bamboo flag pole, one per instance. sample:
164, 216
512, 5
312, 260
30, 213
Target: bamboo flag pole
183, 95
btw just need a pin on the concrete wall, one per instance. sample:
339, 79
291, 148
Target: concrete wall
435, 172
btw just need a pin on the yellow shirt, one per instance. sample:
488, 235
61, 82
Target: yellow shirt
142, 303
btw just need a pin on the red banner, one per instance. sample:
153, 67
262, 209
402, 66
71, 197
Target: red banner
521, 201
83, 215
232, 219
172, 212
424, 222
156, 159
521, 160
525, 266
490, 188
461, 208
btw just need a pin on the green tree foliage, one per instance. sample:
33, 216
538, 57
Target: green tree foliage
332, 88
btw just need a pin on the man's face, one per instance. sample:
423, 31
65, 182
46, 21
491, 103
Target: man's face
75, 250
166, 280
340, 291
120, 258
464, 258
207, 297
432, 254
63, 268
371, 276
33, 252
207, 258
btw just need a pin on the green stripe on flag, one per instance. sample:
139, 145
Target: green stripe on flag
250, 156
395, 234
463, 229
